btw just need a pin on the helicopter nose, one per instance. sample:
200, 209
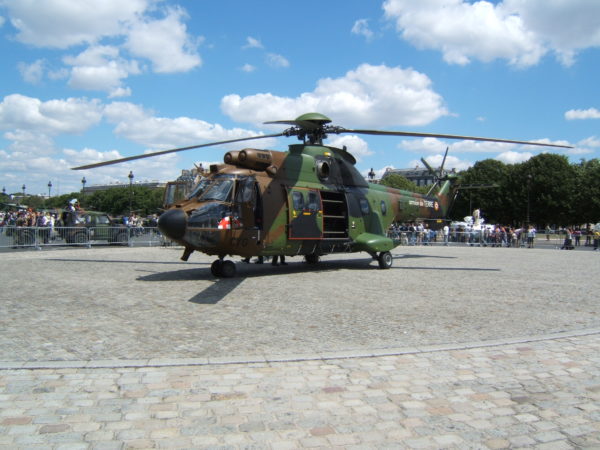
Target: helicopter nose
172, 223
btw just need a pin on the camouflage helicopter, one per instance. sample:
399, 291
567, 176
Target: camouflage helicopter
309, 201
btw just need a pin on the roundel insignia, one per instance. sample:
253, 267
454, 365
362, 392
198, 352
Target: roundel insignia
436, 205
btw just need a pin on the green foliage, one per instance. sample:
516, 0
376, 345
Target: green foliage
115, 201
546, 189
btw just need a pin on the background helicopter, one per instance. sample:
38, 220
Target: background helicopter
310, 200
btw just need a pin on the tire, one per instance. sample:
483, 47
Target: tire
215, 267
121, 238
80, 238
311, 258
385, 260
228, 269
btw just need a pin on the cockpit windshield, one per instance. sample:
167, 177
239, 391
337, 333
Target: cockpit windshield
218, 189
199, 188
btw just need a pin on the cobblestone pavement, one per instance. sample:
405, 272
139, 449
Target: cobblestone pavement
543, 395
143, 303
452, 348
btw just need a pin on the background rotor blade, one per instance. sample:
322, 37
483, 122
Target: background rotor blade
444, 161
164, 152
426, 164
446, 136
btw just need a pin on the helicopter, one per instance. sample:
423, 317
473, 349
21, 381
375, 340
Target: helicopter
309, 200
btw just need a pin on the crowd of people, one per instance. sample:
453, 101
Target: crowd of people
28, 225
489, 235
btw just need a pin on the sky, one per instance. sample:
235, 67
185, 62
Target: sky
84, 81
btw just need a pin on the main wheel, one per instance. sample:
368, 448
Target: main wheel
228, 269
216, 266
385, 260
312, 258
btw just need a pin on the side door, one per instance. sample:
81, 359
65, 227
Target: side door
305, 213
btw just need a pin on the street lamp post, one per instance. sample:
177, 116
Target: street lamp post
83, 181
529, 177
130, 176
23, 187
49, 188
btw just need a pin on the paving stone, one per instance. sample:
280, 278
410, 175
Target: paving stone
517, 381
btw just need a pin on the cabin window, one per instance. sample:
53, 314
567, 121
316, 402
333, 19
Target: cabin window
298, 200
364, 206
383, 208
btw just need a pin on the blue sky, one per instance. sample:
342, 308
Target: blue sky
89, 80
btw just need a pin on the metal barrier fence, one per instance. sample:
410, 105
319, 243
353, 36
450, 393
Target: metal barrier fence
480, 238
12, 237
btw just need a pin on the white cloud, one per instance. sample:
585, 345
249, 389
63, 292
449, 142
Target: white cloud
73, 115
581, 114
248, 68
358, 147
32, 73
275, 60
165, 42
252, 43
435, 161
101, 68
373, 96
519, 31
435, 145
135, 28
61, 24
139, 125
361, 27
511, 157
30, 142
592, 141
565, 27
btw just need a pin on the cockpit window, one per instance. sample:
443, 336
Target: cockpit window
199, 188
313, 202
298, 200
219, 189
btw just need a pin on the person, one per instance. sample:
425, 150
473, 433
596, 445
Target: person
530, 236
446, 234
281, 257
568, 243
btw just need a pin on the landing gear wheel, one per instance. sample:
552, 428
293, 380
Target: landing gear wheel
223, 269
216, 266
312, 258
228, 269
385, 260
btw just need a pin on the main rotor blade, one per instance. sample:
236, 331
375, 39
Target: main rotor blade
164, 152
447, 136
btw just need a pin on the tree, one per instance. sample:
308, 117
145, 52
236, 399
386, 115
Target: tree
547, 188
587, 192
489, 200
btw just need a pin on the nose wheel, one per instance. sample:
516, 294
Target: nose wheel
223, 269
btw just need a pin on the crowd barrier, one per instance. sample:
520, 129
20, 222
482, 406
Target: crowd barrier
12, 237
37, 237
481, 239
